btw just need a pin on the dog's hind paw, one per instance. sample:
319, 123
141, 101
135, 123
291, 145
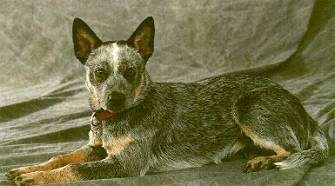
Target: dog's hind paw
258, 163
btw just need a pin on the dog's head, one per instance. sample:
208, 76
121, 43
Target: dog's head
115, 70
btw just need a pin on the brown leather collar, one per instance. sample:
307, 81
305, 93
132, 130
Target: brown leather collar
102, 115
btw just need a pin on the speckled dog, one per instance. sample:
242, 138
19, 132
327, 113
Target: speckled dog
139, 125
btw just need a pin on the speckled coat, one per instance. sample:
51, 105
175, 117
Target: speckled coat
163, 126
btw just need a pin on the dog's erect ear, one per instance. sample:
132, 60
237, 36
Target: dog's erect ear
143, 38
84, 40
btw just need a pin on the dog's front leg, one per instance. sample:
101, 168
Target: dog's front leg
84, 154
129, 160
107, 168
91, 152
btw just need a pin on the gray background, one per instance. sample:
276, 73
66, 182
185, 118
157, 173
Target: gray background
43, 101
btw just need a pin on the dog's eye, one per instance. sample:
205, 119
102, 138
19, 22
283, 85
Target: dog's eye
129, 74
100, 74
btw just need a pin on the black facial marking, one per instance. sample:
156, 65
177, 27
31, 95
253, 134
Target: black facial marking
128, 71
100, 73
129, 74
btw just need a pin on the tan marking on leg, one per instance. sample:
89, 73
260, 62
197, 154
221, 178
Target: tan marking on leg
77, 156
63, 174
263, 142
60, 175
115, 146
263, 162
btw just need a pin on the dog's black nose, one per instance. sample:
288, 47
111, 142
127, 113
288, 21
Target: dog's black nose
116, 99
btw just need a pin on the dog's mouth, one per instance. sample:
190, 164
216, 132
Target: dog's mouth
103, 115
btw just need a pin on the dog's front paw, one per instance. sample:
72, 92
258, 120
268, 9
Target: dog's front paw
12, 174
18, 171
60, 175
32, 178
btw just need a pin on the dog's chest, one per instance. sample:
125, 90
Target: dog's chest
112, 137
115, 145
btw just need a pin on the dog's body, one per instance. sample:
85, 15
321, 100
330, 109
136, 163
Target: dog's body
139, 125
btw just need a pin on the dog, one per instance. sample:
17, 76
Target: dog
138, 125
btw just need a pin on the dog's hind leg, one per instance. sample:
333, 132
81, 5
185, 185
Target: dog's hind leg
263, 162
274, 120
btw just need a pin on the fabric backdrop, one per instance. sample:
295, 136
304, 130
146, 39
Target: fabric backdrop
43, 101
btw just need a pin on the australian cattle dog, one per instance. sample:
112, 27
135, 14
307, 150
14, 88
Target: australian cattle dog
139, 125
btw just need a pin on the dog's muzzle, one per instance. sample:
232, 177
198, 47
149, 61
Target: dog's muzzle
115, 100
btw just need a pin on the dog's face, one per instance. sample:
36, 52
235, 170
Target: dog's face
115, 70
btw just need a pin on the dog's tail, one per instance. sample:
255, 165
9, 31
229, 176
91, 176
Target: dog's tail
317, 153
